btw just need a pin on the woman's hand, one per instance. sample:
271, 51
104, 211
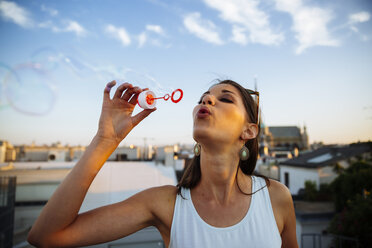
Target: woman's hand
116, 119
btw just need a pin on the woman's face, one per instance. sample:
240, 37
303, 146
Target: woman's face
220, 115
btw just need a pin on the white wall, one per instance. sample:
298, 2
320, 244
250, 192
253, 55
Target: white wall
327, 175
298, 176
58, 155
38, 155
132, 153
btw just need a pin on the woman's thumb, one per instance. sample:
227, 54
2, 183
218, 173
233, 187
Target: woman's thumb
141, 115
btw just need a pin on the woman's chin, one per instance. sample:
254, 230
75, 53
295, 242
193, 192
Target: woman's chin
202, 135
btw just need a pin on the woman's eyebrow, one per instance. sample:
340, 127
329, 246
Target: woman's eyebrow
223, 91
227, 91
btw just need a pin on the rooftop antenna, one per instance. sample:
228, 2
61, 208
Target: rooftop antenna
255, 82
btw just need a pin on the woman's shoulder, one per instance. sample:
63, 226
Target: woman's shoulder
279, 193
165, 193
161, 201
281, 202
157, 199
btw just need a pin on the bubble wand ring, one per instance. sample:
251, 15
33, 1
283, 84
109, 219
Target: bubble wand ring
174, 92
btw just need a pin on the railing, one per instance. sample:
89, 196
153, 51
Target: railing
7, 199
327, 240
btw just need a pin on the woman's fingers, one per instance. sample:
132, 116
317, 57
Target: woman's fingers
121, 88
133, 100
129, 93
125, 91
106, 92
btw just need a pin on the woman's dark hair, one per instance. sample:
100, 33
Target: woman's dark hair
192, 174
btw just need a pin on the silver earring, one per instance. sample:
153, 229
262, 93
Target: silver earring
244, 153
197, 149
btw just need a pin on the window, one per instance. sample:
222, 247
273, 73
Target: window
286, 179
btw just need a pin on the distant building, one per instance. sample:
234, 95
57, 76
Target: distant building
126, 153
44, 153
166, 154
319, 166
312, 221
289, 137
7, 152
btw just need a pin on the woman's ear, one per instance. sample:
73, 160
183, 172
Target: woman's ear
250, 132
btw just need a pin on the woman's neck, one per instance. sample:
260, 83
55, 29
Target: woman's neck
218, 180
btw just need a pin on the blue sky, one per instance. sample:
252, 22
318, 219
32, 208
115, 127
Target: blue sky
312, 62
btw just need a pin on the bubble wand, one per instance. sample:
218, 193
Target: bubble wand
147, 99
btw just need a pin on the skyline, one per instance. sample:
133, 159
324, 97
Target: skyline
311, 61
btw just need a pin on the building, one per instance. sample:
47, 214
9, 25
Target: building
312, 221
320, 165
126, 153
166, 154
288, 136
7, 152
45, 153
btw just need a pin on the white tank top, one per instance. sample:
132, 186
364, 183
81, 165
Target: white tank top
257, 229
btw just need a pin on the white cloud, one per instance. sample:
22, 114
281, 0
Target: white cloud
50, 11
359, 17
12, 12
155, 28
309, 24
354, 29
204, 29
249, 23
142, 38
119, 34
239, 35
154, 35
75, 27
70, 26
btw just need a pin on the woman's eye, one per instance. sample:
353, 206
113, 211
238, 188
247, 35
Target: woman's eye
226, 100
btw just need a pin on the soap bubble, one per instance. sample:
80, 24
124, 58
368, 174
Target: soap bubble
29, 90
5, 71
77, 66
143, 80
47, 58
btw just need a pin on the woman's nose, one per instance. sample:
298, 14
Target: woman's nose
208, 99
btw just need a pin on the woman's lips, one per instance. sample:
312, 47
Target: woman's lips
203, 112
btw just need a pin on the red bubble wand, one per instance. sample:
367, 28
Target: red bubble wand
147, 99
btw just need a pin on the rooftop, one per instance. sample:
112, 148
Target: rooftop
327, 155
285, 131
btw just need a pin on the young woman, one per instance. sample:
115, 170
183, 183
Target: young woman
218, 202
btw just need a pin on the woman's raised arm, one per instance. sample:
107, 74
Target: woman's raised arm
59, 223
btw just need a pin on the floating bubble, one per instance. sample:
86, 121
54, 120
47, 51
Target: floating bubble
47, 58
29, 90
80, 68
5, 71
142, 80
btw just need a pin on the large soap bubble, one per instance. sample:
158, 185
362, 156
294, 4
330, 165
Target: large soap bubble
29, 89
5, 71
142, 80
47, 58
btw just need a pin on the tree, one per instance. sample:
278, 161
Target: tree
310, 191
353, 203
350, 183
